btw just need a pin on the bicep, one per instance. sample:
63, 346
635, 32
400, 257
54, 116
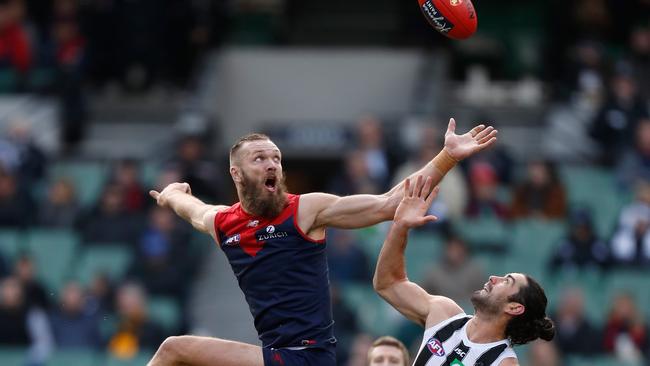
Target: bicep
350, 212
205, 219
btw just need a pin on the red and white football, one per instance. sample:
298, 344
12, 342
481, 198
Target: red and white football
454, 18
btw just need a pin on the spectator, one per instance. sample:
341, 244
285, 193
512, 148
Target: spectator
69, 57
615, 124
371, 145
34, 292
15, 45
635, 163
347, 262
23, 326
73, 326
21, 155
631, 241
110, 223
640, 57
452, 196
457, 276
127, 176
626, 334
387, 350
484, 201
60, 208
198, 171
574, 333
541, 195
136, 332
543, 354
15, 204
345, 326
101, 295
162, 257
581, 248
355, 178
359, 348
13, 314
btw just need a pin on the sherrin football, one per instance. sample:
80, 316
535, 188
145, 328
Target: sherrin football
454, 18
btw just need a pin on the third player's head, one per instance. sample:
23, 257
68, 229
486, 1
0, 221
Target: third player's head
256, 169
518, 300
388, 351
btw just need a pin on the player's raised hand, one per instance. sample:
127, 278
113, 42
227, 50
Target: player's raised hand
462, 146
417, 199
173, 188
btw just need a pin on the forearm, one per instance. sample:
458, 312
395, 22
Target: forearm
391, 266
189, 208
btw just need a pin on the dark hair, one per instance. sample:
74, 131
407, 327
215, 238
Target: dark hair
533, 323
392, 342
247, 138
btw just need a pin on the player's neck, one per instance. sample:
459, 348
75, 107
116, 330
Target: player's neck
485, 329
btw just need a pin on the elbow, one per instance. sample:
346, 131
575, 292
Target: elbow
389, 206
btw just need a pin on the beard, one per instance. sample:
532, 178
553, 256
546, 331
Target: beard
261, 203
484, 303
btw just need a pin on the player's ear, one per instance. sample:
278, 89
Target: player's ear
514, 308
235, 173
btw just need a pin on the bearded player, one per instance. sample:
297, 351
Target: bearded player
275, 243
508, 310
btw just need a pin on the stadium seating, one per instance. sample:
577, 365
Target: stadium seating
88, 178
10, 243
53, 251
113, 260
166, 312
75, 358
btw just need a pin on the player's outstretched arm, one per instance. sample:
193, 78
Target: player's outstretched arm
390, 280
178, 197
325, 210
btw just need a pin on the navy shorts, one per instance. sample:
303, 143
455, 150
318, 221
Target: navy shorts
303, 357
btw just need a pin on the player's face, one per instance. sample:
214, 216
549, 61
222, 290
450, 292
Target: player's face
261, 164
494, 295
386, 356
261, 179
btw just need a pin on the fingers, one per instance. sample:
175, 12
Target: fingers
432, 196
154, 194
427, 187
476, 130
407, 187
418, 187
483, 133
451, 127
490, 142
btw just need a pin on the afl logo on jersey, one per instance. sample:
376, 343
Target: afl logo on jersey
435, 347
270, 229
233, 240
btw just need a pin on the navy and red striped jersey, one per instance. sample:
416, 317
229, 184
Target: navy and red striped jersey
282, 273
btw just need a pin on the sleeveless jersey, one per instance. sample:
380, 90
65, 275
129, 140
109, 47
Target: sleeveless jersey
282, 273
446, 343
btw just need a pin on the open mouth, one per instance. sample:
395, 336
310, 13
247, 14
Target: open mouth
270, 184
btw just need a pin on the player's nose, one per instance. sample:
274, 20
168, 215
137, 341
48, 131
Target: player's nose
494, 279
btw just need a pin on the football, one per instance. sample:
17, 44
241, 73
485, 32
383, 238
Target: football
454, 18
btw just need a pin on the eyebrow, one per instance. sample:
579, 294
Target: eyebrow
512, 278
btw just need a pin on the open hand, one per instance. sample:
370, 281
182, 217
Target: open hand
462, 146
163, 196
411, 212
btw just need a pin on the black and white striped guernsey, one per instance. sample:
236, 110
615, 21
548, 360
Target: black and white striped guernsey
447, 344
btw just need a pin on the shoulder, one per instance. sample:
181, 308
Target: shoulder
443, 310
509, 361
442, 319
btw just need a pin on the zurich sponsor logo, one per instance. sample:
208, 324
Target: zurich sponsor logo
435, 347
270, 229
233, 240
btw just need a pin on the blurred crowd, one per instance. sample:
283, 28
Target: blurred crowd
102, 312
598, 78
